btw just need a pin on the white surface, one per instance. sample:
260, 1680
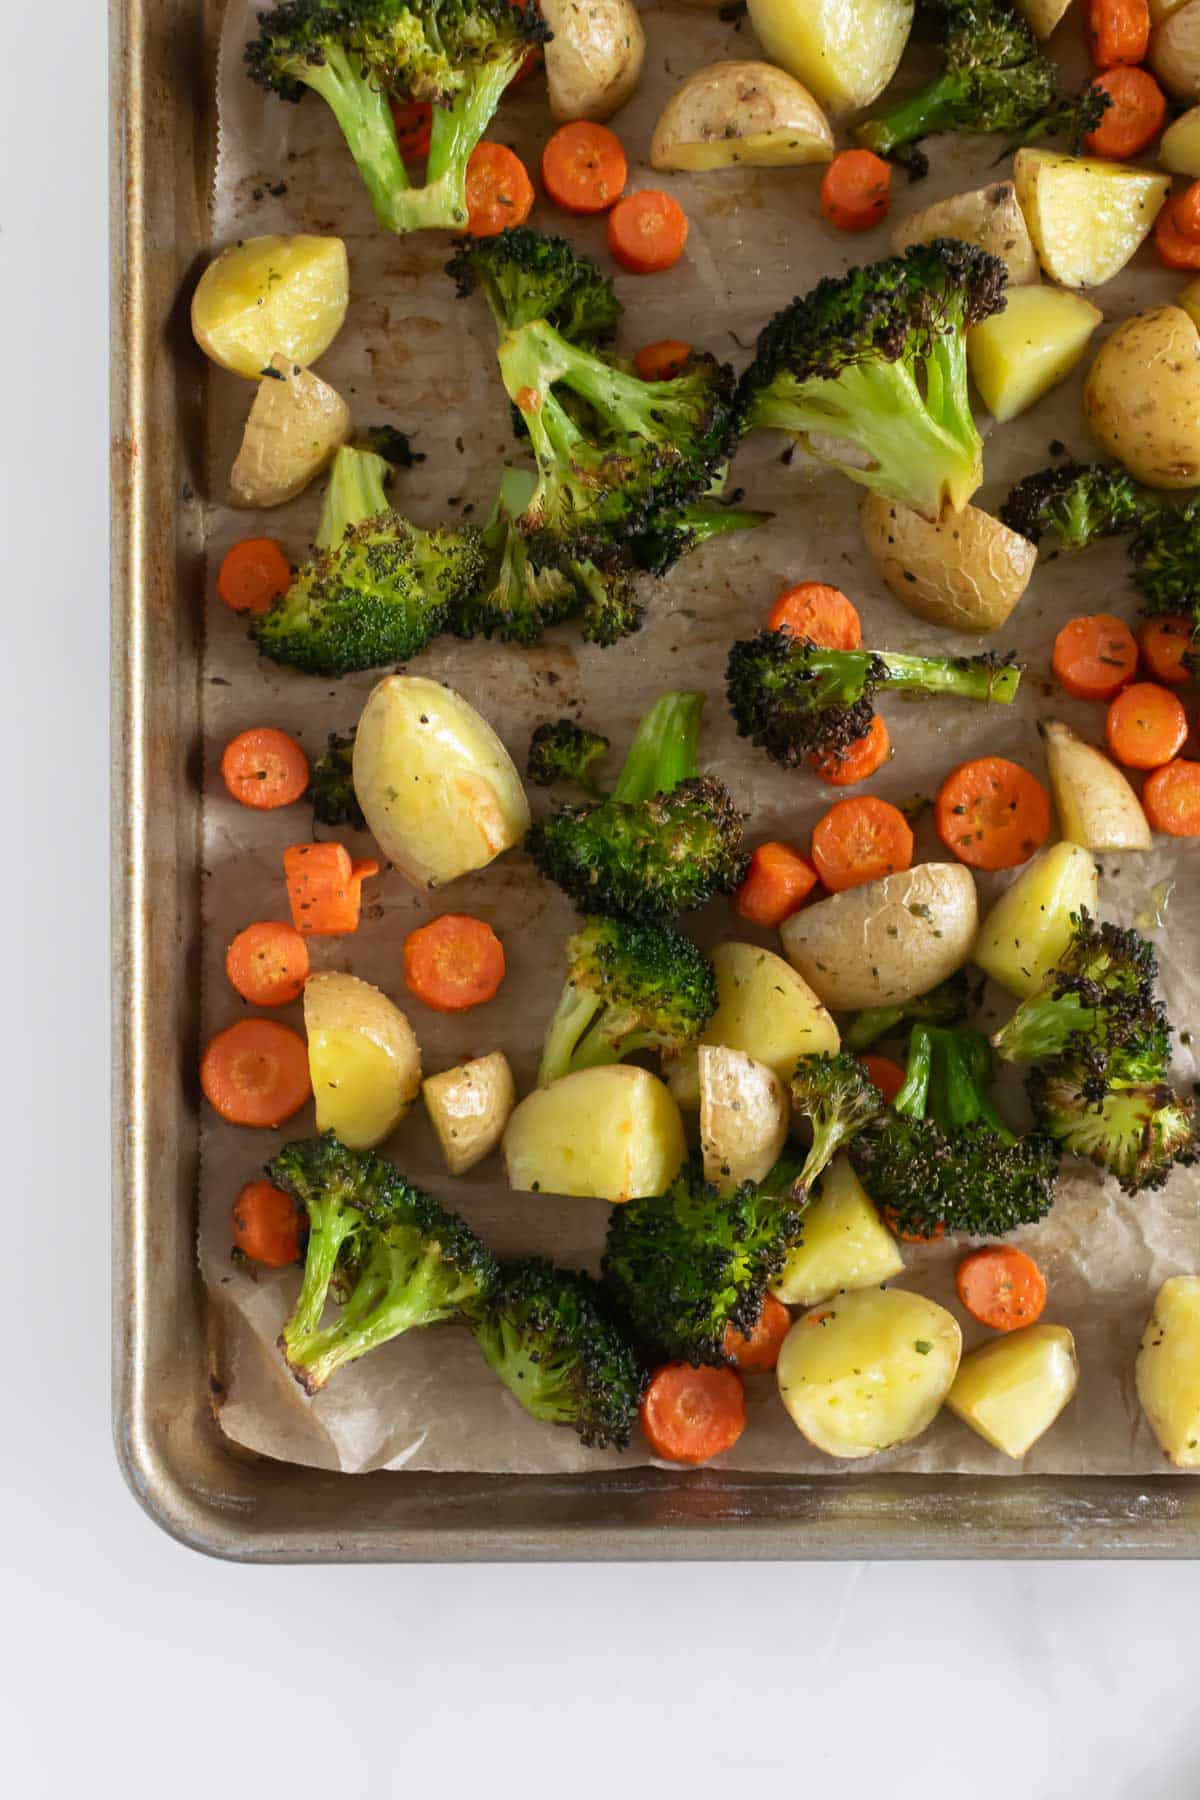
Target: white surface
125, 1661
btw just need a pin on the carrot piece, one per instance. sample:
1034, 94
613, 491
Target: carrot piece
499, 191
1094, 656
755, 1354
992, 813
413, 120
253, 574
887, 1075
819, 612
256, 1072
778, 882
647, 232
1134, 119
690, 1415
860, 840
584, 167
855, 190
1171, 799
1175, 250
1117, 31
1164, 642
268, 1225
662, 361
1146, 726
324, 888
453, 963
1001, 1287
891, 1219
861, 759
1187, 212
267, 963
264, 769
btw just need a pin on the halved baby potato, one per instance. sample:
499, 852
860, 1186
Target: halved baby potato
887, 941
740, 113
1175, 51
1168, 1370
844, 51
1095, 804
1179, 145
845, 1245
965, 571
1019, 354
1013, 1388
765, 1009
1043, 15
744, 1116
297, 423
271, 294
1086, 216
363, 1058
469, 1106
989, 218
1029, 927
612, 1133
594, 56
1142, 398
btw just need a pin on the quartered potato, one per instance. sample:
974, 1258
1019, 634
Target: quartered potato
470, 1105
1019, 354
966, 571
594, 56
845, 1245
868, 1370
1096, 806
612, 1133
1030, 925
363, 1058
844, 51
297, 423
887, 941
1179, 145
1175, 51
1189, 299
1086, 216
268, 296
1013, 1388
1142, 398
744, 1116
989, 218
740, 113
1168, 1370
765, 1009
440, 793
1042, 15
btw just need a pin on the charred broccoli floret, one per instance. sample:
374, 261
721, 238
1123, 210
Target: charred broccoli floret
1099, 994
331, 784
1077, 503
945, 1004
404, 1259
869, 372
664, 842
1128, 1120
561, 750
629, 987
670, 535
548, 1335
458, 55
798, 701
525, 276
839, 1099
1165, 550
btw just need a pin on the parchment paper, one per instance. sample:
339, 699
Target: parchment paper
413, 355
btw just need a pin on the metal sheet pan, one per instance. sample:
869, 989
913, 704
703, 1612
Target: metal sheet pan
184, 1472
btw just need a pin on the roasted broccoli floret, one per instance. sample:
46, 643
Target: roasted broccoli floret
1165, 550
995, 77
942, 1156
869, 372
1077, 503
629, 987
670, 535
1099, 994
404, 1259
839, 1099
664, 842
394, 445
377, 589
1129, 1120
331, 784
548, 1334
561, 750
359, 55
945, 1004
690, 1265
525, 276
798, 701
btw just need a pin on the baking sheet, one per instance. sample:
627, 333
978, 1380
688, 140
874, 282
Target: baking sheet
411, 354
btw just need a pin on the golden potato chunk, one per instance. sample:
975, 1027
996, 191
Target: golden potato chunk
269, 295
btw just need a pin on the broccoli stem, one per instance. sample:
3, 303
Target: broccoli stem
934, 109
330, 1228
561, 1052
914, 1094
393, 1294
365, 116
357, 490
454, 132
972, 678
664, 749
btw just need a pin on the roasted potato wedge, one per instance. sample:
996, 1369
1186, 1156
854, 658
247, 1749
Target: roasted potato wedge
1042, 16
594, 57
988, 217
744, 1116
1086, 216
844, 51
1019, 354
1029, 927
886, 941
363, 1058
765, 1009
846, 1245
733, 113
469, 1107
1179, 146
1013, 1388
1096, 806
612, 1133
1168, 1370
966, 571
269, 295
297, 423
1175, 51
1142, 398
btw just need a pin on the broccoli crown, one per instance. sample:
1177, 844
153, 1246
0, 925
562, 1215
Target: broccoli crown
685, 1267
798, 701
561, 750
1166, 556
525, 276
331, 784
839, 1099
405, 1260
869, 372
945, 1004
1131, 1123
667, 536
1099, 994
629, 987
1077, 503
547, 1334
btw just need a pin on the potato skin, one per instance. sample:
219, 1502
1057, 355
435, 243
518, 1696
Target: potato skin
1095, 804
1175, 51
1042, 15
989, 218
470, 1105
886, 941
594, 58
1168, 1370
612, 1133
297, 423
1142, 398
746, 113
966, 572
744, 1116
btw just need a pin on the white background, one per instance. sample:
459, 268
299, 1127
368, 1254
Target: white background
136, 1668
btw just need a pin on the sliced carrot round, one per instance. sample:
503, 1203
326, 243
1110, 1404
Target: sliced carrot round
267, 963
778, 882
887, 1075
860, 760
413, 120
1094, 656
662, 361
647, 232
268, 1225
1117, 31
860, 840
256, 1073
499, 191
856, 190
453, 963
1001, 1287
253, 574
690, 1415
264, 769
584, 167
1171, 799
1186, 208
1164, 643
1136, 114
992, 813
755, 1354
1175, 250
1146, 726
819, 612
